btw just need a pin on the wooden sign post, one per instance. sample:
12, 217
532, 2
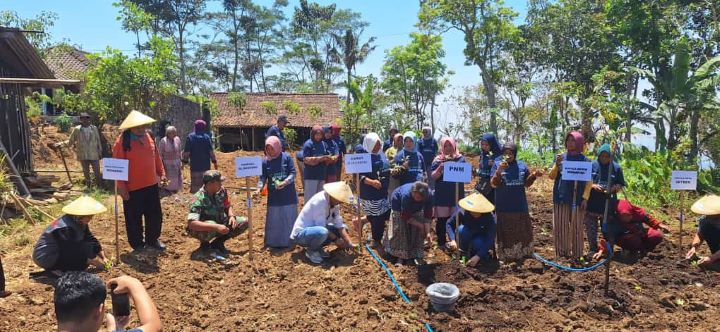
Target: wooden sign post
683, 180
356, 164
459, 173
246, 167
116, 169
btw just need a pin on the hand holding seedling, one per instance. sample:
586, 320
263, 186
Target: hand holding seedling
222, 229
452, 245
664, 227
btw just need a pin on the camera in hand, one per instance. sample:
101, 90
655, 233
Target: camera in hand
120, 303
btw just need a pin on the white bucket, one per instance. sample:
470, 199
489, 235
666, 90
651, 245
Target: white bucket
443, 296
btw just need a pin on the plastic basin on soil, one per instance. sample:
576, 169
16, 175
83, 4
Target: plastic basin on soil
443, 296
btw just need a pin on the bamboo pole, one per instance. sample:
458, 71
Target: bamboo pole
609, 238
249, 213
573, 223
457, 216
359, 212
682, 220
117, 228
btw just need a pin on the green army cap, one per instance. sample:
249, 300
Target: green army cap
212, 175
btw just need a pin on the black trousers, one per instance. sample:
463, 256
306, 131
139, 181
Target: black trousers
143, 202
74, 257
2, 278
377, 226
440, 231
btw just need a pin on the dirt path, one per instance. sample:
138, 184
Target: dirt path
279, 291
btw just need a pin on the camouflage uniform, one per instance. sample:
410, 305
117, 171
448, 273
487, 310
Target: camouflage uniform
214, 210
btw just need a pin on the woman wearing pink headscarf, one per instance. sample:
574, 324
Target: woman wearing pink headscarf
569, 201
279, 176
445, 192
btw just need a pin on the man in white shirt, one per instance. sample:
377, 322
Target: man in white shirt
320, 223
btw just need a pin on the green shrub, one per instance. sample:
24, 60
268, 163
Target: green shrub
33, 107
269, 107
290, 137
237, 99
64, 122
315, 111
291, 106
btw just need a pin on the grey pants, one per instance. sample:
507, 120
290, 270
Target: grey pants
86, 171
591, 229
312, 187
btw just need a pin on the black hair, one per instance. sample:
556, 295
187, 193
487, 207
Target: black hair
77, 295
421, 188
126, 138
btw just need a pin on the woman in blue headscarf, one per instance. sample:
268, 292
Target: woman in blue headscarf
490, 151
410, 160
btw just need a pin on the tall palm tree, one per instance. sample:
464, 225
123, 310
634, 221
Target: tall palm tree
349, 51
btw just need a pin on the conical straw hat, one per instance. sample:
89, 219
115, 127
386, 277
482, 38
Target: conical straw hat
84, 206
135, 119
708, 205
476, 203
339, 191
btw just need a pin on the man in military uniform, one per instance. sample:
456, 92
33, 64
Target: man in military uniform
211, 219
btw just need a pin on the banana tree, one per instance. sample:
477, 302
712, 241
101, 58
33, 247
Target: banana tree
682, 95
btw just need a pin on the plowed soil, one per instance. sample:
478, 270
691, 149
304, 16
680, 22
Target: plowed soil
281, 291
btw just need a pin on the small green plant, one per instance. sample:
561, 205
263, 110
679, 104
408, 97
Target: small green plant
315, 111
291, 106
290, 136
64, 122
237, 99
33, 107
269, 107
680, 302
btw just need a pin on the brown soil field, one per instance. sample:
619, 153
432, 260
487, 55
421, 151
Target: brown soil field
281, 291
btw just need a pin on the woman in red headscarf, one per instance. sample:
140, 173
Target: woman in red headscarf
278, 172
569, 200
629, 232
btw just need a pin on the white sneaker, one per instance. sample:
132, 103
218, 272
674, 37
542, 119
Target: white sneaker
323, 253
313, 256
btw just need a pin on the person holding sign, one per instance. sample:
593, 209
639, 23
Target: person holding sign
411, 215
314, 156
67, 244
320, 223
477, 228
373, 189
490, 151
140, 193
211, 217
630, 233
409, 163
445, 192
569, 200
601, 175
514, 228
331, 171
708, 229
278, 173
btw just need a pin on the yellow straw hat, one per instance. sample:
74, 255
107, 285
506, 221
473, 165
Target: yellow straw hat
476, 203
708, 205
339, 191
84, 206
135, 119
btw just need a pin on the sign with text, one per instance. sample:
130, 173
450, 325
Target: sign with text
684, 180
457, 172
115, 169
577, 170
358, 163
248, 166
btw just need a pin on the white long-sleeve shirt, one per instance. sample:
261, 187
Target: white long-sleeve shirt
317, 212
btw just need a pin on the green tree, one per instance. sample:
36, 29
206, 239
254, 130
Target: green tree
40, 23
134, 19
487, 28
350, 52
173, 18
413, 75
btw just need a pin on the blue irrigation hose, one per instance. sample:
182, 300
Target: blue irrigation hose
573, 269
394, 282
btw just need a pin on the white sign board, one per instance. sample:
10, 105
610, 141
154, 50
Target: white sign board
358, 163
684, 180
457, 172
248, 166
115, 169
577, 170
